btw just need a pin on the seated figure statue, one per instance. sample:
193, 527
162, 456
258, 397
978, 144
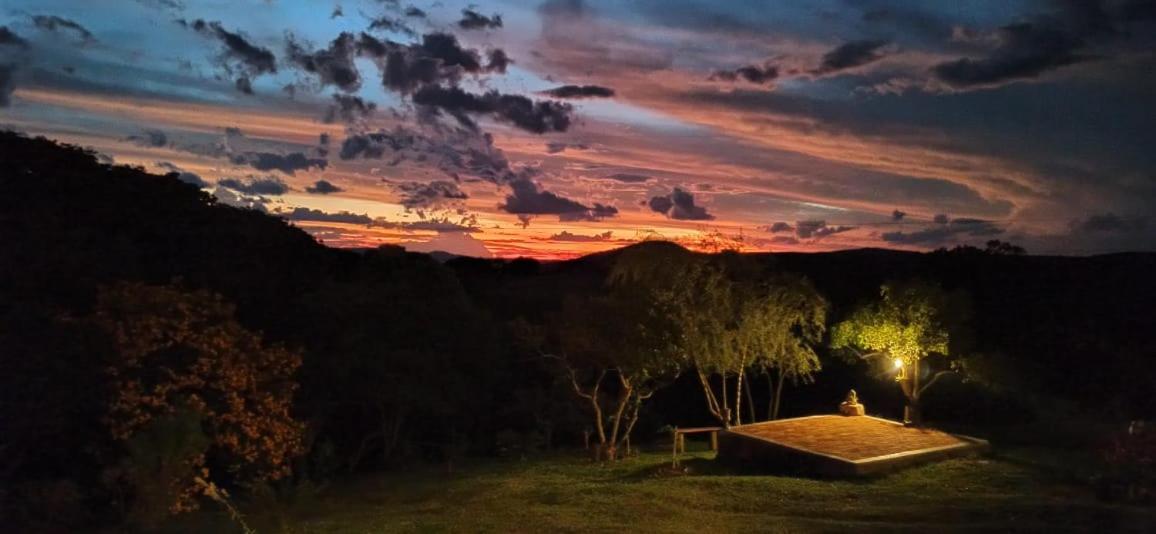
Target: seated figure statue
851, 406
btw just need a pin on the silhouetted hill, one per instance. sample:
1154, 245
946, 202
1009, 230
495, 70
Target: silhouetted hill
69, 223
1077, 327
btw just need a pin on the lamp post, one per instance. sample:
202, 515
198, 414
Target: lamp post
907, 382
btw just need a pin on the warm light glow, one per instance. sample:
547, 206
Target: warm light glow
898, 363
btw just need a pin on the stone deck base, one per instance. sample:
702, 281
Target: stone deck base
838, 446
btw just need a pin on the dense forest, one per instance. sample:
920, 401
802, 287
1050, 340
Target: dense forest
157, 347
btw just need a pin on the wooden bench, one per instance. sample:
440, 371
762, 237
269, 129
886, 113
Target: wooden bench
678, 436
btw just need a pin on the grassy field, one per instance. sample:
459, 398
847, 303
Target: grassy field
568, 494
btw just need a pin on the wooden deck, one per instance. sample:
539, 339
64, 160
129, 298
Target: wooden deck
839, 446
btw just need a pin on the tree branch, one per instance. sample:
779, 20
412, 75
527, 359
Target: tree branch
934, 379
868, 355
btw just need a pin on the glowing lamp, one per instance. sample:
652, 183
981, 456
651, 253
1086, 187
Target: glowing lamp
898, 363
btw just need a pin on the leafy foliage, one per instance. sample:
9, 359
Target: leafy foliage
730, 316
176, 350
909, 322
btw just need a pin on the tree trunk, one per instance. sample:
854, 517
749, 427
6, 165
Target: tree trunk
778, 395
708, 393
739, 398
624, 396
770, 395
362, 448
392, 435
750, 401
600, 431
912, 415
726, 411
633, 416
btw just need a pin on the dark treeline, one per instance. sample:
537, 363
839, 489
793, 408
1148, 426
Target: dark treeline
143, 325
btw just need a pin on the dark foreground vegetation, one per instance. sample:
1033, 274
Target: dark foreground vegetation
561, 493
161, 353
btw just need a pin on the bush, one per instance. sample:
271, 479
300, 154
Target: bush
163, 460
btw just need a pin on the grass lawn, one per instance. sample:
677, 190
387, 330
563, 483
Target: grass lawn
563, 493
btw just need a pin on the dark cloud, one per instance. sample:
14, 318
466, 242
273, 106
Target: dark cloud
780, 227
8, 38
850, 55
349, 109
580, 91
437, 59
596, 213
337, 12
945, 232
150, 138
472, 20
57, 24
455, 152
441, 226
751, 73
244, 84
497, 60
898, 215
372, 47
286, 163
940, 218
566, 236
1025, 50
554, 147
527, 198
229, 197
259, 60
414, 12
323, 187
1109, 223
333, 65
784, 240
536, 117
1070, 32
307, 214
270, 185
191, 179
660, 204
181, 174
372, 145
817, 229
679, 205
390, 24
422, 195
251, 60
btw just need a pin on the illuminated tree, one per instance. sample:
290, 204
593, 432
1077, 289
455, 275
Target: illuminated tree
181, 351
909, 323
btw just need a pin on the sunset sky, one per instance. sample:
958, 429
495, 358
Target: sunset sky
557, 128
